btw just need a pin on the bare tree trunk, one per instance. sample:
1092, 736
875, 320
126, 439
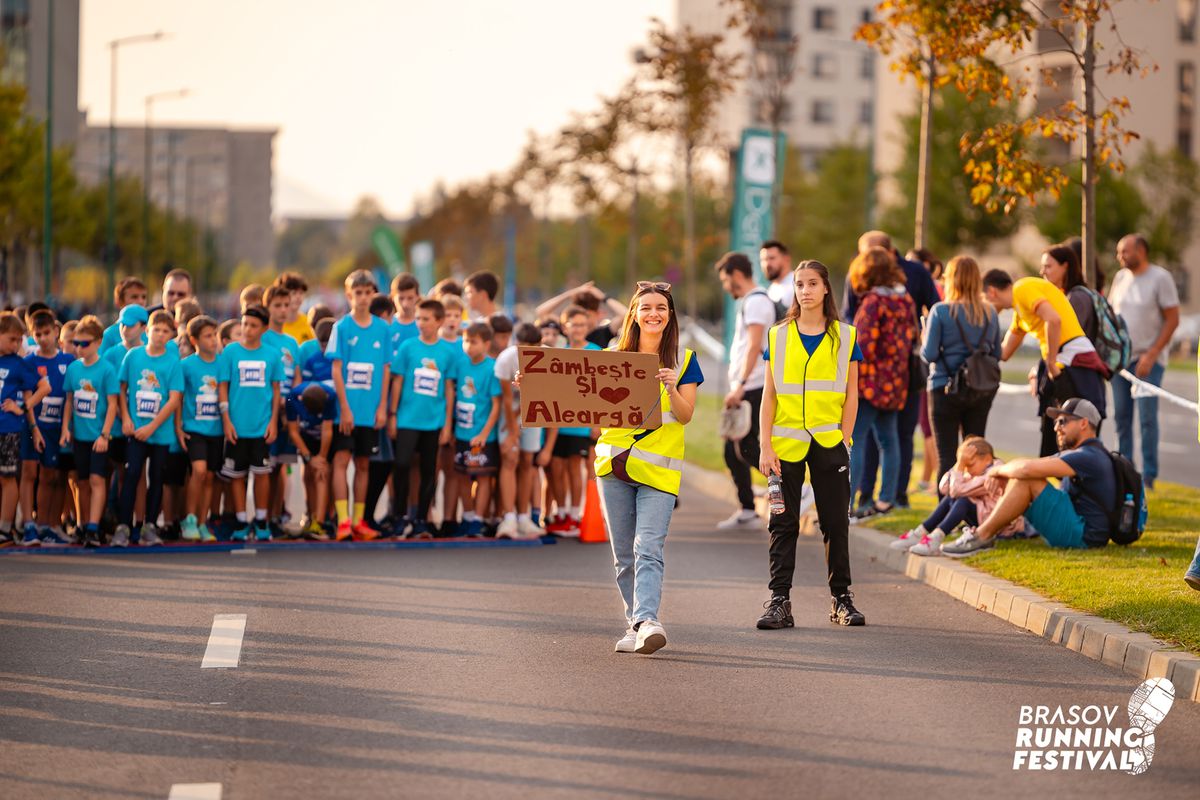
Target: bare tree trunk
923, 166
585, 244
689, 232
1088, 229
631, 245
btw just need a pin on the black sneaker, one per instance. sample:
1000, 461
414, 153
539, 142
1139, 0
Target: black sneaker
843, 611
91, 538
778, 614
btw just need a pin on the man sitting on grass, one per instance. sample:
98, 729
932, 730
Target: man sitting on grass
1068, 516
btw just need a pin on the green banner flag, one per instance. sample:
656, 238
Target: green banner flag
387, 245
422, 261
753, 220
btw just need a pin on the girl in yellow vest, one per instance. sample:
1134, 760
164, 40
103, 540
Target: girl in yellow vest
809, 406
639, 470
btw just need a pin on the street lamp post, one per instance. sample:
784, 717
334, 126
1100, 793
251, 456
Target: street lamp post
148, 148
110, 238
48, 188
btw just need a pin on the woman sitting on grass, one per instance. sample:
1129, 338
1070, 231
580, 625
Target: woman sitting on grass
965, 498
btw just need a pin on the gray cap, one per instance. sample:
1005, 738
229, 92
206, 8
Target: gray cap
1076, 407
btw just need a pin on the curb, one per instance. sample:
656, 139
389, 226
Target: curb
1136, 654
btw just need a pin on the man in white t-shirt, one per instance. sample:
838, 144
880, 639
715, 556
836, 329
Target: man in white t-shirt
776, 264
755, 316
1144, 295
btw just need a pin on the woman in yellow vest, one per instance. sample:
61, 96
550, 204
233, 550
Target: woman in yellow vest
809, 406
639, 470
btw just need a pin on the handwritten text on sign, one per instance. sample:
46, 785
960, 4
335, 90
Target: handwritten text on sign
563, 388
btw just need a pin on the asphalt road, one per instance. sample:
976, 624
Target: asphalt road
490, 673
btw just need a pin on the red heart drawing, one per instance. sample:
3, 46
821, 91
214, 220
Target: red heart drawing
614, 396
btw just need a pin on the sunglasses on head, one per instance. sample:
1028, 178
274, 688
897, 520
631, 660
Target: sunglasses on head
82, 342
657, 286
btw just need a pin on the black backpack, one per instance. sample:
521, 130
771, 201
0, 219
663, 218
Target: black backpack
978, 376
1127, 516
781, 310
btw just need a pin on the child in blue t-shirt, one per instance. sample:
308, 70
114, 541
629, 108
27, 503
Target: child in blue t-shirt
379, 465
476, 422
572, 454
40, 472
312, 412
198, 427
420, 415
314, 364
278, 302
89, 415
20, 388
131, 327
151, 391
251, 373
361, 352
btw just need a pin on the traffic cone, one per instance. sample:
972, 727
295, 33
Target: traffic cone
591, 527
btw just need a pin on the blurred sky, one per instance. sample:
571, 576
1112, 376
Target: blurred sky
380, 97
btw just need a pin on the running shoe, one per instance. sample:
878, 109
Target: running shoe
778, 614
362, 532
843, 612
150, 537
651, 637
930, 544
189, 531
344, 531
627, 643
120, 536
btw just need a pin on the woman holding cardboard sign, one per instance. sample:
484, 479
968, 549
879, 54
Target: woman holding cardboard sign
809, 405
639, 470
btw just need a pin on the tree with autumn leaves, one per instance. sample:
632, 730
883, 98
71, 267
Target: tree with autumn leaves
993, 48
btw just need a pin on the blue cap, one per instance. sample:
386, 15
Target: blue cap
132, 315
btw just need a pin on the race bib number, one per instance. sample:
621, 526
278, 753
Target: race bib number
206, 408
85, 404
51, 410
359, 375
426, 381
252, 374
148, 404
464, 414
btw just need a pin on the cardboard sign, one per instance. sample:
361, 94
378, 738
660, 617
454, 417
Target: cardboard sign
563, 388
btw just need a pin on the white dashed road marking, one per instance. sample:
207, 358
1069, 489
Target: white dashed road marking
224, 645
195, 791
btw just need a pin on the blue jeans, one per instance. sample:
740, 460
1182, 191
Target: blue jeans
637, 518
884, 425
1147, 409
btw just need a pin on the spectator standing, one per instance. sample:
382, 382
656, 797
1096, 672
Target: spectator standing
1070, 366
776, 265
1061, 267
1144, 295
755, 315
958, 326
177, 286
887, 317
921, 288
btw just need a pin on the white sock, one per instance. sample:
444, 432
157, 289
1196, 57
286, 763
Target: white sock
921, 531
524, 518
938, 530
241, 516
511, 516
470, 516
260, 515
575, 511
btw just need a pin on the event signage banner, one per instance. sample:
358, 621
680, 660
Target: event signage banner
562, 388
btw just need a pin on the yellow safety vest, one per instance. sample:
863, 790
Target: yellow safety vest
655, 457
810, 391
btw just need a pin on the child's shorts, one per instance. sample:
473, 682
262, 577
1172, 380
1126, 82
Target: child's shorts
88, 462
209, 449
476, 461
362, 441
10, 454
249, 455
568, 445
48, 458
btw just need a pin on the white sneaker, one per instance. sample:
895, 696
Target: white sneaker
907, 540
742, 519
930, 544
120, 537
651, 636
527, 528
507, 529
627, 643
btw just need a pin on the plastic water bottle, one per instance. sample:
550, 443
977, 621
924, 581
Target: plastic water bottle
775, 494
1128, 514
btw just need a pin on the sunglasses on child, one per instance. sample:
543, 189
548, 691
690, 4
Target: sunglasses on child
82, 342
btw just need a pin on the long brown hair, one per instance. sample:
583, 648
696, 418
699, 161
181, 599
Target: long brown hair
874, 267
828, 305
965, 287
631, 332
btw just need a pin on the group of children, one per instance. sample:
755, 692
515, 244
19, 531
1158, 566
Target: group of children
170, 424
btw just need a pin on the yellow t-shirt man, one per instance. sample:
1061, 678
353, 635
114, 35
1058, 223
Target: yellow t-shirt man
299, 329
1028, 293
